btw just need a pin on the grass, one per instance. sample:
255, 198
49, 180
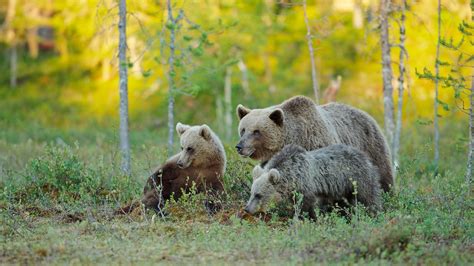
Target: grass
58, 206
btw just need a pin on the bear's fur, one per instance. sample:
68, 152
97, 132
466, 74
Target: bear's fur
298, 120
202, 160
324, 175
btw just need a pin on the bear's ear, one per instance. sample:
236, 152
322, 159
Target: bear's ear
277, 116
257, 172
205, 132
181, 128
242, 111
274, 176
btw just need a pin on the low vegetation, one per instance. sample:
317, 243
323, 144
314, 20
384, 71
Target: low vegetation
62, 208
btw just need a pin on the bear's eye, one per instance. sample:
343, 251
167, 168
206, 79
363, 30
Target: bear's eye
182, 148
242, 132
189, 149
258, 196
256, 132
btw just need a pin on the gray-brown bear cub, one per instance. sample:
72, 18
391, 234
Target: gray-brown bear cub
337, 173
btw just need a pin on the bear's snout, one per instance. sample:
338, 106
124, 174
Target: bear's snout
239, 147
247, 209
180, 164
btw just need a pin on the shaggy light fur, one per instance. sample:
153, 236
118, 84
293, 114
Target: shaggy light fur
202, 160
337, 173
298, 120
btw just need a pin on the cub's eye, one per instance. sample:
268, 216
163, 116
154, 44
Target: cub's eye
182, 148
242, 132
189, 149
256, 132
258, 196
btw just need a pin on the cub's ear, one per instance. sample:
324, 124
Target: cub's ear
181, 128
277, 116
274, 176
205, 132
257, 172
242, 111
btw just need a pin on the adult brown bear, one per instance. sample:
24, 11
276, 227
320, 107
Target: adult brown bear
298, 120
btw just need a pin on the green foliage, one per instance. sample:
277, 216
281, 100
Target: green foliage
59, 176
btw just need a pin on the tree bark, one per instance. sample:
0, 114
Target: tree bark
13, 65
436, 124
228, 103
401, 83
124, 138
12, 39
387, 73
245, 76
471, 138
171, 85
309, 38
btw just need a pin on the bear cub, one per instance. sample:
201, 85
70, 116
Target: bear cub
330, 174
202, 160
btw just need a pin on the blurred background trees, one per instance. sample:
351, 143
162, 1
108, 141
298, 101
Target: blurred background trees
228, 52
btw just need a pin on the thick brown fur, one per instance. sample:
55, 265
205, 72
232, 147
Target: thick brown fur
202, 161
298, 120
333, 174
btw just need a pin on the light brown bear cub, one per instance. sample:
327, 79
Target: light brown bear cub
202, 160
264, 132
337, 173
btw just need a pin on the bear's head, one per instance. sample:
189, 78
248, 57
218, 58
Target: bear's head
261, 132
196, 146
263, 190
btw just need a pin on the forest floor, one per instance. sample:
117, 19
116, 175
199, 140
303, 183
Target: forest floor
59, 201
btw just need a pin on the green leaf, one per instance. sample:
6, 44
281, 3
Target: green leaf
443, 104
146, 73
187, 38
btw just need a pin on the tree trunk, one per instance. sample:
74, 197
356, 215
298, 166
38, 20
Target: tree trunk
12, 39
401, 82
13, 65
471, 138
387, 72
124, 140
436, 124
228, 103
309, 38
245, 76
171, 85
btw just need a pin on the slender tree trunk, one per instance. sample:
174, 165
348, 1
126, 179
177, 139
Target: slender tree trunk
470, 156
13, 65
245, 76
11, 38
436, 124
228, 103
387, 72
401, 82
219, 115
309, 38
171, 85
124, 140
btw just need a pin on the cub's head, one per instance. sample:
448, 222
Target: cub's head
261, 132
263, 190
196, 145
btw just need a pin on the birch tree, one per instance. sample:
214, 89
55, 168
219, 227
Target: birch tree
123, 86
309, 38
436, 100
470, 156
11, 38
401, 82
387, 72
171, 25
228, 103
